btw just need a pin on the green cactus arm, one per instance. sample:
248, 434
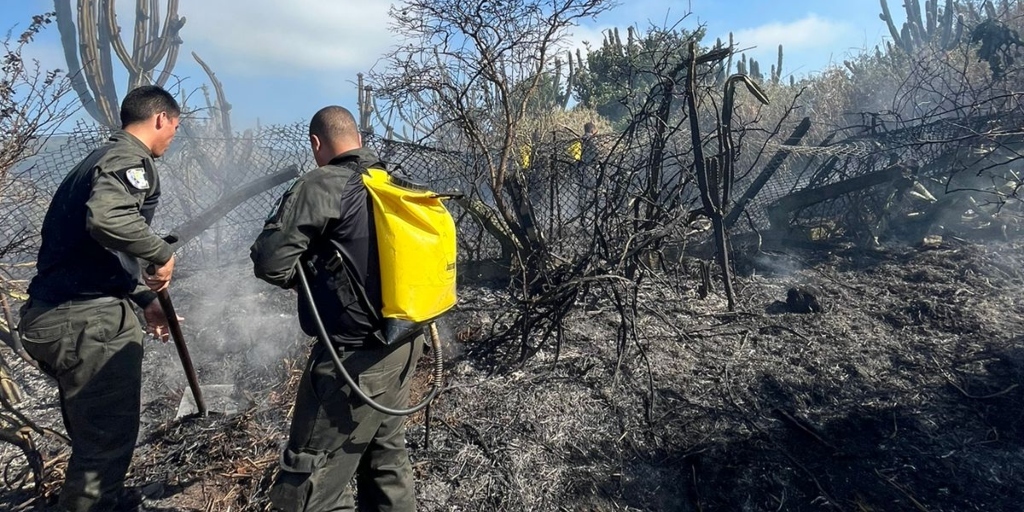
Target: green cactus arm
96, 75
570, 81
913, 8
172, 59
908, 38
154, 16
166, 38
931, 18
106, 64
947, 25
69, 42
778, 66
141, 17
916, 34
728, 65
886, 16
117, 42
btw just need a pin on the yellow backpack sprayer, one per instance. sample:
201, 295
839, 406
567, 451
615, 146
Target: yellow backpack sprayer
416, 246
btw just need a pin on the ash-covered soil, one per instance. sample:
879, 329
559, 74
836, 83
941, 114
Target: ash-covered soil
903, 393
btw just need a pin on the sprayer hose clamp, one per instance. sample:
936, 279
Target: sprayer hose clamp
348, 347
335, 262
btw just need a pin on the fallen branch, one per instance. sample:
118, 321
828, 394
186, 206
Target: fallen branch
20, 437
25, 422
9, 335
802, 425
898, 487
196, 225
984, 397
779, 211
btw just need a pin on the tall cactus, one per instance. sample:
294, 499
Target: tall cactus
562, 95
777, 68
936, 27
88, 47
724, 68
755, 70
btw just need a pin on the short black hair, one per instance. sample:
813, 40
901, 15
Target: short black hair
333, 122
589, 128
145, 102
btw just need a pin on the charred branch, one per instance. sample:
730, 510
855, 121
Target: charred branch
197, 225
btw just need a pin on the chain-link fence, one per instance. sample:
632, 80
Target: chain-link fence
568, 183
200, 169
194, 174
560, 182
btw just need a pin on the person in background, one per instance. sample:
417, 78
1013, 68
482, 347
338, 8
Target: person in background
588, 142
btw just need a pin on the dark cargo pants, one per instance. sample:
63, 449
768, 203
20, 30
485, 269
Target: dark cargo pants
94, 350
334, 435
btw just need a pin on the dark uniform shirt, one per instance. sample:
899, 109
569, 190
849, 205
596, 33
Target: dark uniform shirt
97, 227
327, 210
589, 152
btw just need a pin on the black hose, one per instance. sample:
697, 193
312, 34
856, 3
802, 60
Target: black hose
435, 343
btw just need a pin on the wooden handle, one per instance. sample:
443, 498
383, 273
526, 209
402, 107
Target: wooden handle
179, 343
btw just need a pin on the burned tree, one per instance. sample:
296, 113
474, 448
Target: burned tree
217, 152
478, 93
716, 174
590, 228
471, 72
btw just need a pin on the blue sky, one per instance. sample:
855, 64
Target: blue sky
280, 61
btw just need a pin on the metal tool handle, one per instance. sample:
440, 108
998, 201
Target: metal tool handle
179, 343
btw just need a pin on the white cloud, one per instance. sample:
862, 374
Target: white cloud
810, 43
808, 32
270, 36
580, 37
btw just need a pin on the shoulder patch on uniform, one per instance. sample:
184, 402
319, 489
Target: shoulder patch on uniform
136, 177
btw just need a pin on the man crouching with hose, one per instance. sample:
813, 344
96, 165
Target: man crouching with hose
325, 224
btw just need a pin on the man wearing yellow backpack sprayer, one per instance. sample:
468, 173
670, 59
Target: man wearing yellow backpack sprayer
325, 222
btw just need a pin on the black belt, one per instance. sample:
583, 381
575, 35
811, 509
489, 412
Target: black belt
95, 301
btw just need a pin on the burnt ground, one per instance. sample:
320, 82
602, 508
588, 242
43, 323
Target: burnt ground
903, 393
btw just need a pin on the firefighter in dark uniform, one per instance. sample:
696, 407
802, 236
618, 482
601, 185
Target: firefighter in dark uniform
335, 435
589, 151
78, 322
